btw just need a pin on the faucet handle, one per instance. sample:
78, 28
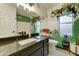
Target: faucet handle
24, 33
19, 33
29, 35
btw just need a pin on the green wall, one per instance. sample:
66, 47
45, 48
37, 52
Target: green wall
23, 18
76, 28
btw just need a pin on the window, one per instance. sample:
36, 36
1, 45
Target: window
66, 24
37, 27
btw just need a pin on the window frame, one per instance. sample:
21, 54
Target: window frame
36, 25
58, 18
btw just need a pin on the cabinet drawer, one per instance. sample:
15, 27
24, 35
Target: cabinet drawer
31, 49
39, 52
72, 47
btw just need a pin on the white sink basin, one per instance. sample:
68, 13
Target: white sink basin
26, 41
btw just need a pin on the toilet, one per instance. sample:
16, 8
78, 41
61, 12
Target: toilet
52, 44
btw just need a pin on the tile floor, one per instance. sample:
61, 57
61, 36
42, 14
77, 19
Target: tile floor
61, 52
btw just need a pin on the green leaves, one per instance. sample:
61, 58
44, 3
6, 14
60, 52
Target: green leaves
65, 9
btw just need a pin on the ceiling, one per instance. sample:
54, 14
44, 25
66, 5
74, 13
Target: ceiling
44, 6
48, 5
21, 11
41, 5
12, 4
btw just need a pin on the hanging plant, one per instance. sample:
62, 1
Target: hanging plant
66, 8
38, 18
55, 13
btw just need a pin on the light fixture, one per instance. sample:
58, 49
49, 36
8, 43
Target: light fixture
31, 4
26, 5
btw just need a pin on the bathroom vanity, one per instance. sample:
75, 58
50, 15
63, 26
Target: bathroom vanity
37, 49
30, 47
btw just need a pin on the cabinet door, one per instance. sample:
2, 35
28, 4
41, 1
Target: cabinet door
46, 47
45, 50
15, 54
34, 49
78, 50
39, 52
72, 47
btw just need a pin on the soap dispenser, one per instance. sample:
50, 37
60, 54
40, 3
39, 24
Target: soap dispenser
29, 35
